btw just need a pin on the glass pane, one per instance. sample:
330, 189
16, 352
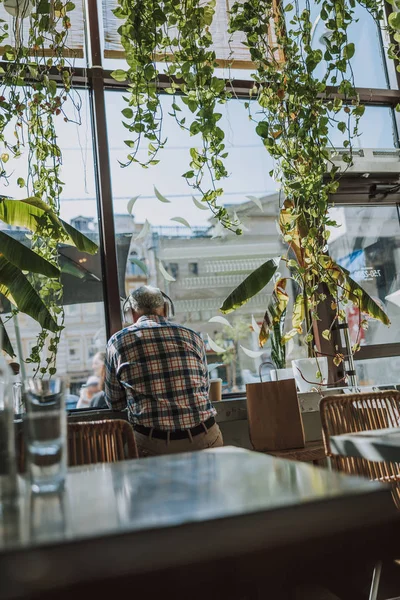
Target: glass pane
378, 371
206, 266
84, 332
367, 63
376, 128
367, 244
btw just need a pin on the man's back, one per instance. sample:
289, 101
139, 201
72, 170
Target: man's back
159, 369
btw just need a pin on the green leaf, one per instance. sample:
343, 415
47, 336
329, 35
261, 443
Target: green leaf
15, 286
128, 113
160, 196
365, 303
359, 110
6, 343
70, 268
24, 258
253, 284
342, 126
140, 264
394, 20
262, 129
200, 205
131, 203
52, 87
21, 182
348, 51
79, 240
26, 213
119, 75
167, 276
182, 221
23, 213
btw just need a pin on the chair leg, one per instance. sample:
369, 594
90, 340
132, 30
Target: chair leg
376, 576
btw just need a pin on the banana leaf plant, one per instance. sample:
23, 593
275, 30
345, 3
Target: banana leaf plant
17, 260
308, 275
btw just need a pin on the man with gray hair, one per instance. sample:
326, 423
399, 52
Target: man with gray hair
158, 371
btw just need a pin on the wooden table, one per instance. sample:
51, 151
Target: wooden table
377, 445
188, 524
312, 452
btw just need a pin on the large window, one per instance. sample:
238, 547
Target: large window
198, 266
82, 273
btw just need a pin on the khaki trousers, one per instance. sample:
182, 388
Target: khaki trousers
153, 446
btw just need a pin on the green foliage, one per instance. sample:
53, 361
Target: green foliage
278, 350
18, 263
177, 35
297, 112
30, 103
253, 284
24, 258
394, 31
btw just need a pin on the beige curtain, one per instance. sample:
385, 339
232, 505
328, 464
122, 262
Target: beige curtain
18, 31
234, 54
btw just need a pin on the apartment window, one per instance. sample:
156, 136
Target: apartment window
74, 350
173, 269
194, 268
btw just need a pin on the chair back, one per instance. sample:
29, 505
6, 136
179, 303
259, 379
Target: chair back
92, 442
344, 413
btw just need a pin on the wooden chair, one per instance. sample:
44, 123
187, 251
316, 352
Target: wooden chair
100, 442
92, 442
362, 412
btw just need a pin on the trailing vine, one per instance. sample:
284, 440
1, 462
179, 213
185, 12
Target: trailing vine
30, 101
301, 94
173, 38
295, 116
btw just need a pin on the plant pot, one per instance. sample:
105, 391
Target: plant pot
281, 374
305, 372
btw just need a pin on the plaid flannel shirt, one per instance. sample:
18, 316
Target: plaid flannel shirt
159, 371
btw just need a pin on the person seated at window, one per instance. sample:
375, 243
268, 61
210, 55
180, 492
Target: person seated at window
157, 370
88, 390
99, 369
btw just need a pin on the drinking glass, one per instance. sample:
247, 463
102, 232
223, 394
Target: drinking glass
45, 434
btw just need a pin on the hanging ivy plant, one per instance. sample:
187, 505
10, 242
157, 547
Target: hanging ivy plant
30, 101
173, 38
295, 118
295, 113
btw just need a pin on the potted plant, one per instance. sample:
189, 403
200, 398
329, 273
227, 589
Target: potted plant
278, 351
19, 265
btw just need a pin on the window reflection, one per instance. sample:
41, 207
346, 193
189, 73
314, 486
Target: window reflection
367, 243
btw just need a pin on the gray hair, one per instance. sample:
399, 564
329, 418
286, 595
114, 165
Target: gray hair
146, 299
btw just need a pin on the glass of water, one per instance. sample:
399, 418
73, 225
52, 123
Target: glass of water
45, 434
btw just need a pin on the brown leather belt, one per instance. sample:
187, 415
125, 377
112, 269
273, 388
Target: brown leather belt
178, 434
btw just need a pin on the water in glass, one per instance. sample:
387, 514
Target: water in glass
45, 429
